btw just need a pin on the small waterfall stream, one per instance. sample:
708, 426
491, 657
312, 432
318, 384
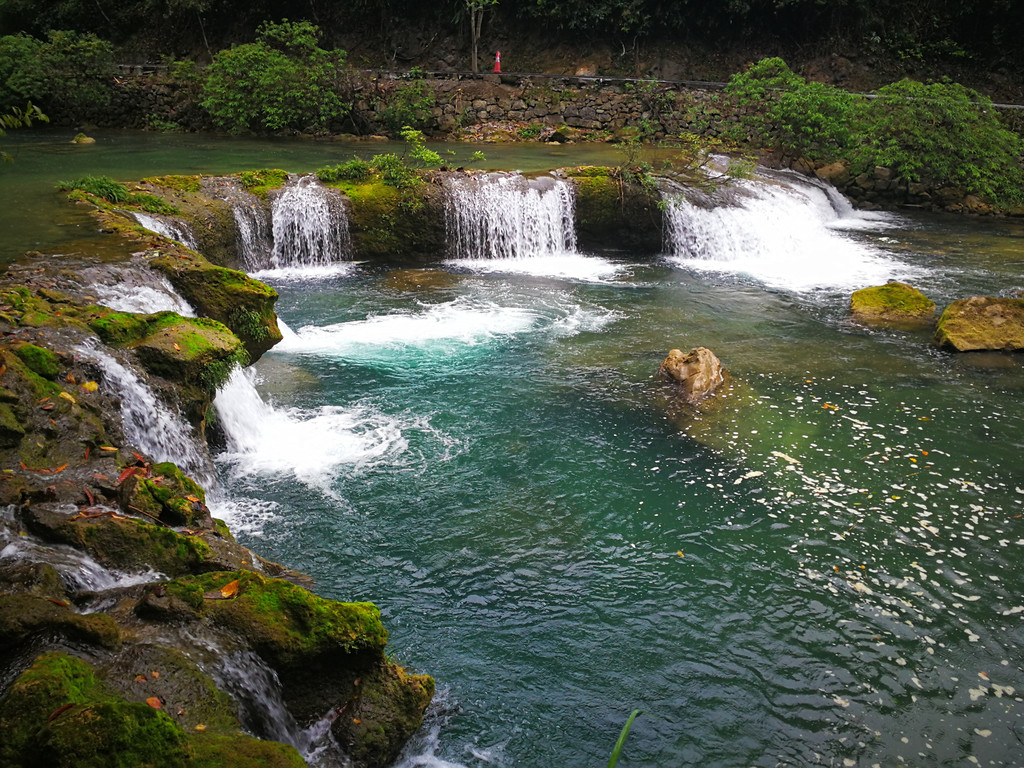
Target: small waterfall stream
170, 228
310, 226
507, 216
782, 230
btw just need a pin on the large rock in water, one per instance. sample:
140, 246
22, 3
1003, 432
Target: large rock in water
698, 372
982, 322
892, 303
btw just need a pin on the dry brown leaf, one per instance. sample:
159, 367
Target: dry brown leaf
141, 678
230, 589
154, 702
155, 675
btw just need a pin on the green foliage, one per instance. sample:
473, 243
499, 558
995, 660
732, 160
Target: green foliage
100, 186
408, 105
478, 157
261, 181
945, 133
354, 170
283, 81
394, 171
529, 132
621, 741
118, 194
19, 118
416, 147
68, 73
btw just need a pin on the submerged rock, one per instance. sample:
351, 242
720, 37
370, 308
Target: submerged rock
698, 373
982, 322
896, 303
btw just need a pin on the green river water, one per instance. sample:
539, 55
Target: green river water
824, 568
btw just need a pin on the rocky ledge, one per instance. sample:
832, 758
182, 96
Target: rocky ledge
134, 629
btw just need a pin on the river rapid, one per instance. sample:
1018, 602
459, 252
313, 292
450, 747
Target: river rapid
822, 568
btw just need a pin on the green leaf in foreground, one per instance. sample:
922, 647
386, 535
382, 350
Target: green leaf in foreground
622, 739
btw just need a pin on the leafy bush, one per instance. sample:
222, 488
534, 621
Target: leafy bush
354, 170
417, 149
68, 73
783, 110
408, 105
394, 171
945, 133
284, 80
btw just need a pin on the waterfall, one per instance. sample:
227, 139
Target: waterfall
253, 229
137, 288
507, 216
310, 226
169, 228
786, 232
148, 423
263, 712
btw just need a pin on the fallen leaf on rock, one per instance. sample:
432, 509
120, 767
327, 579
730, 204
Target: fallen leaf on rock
107, 448
200, 727
68, 397
55, 601
154, 702
60, 710
155, 675
230, 589
141, 678
90, 386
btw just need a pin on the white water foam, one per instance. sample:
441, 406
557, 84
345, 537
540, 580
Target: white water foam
568, 266
252, 227
289, 274
169, 228
507, 216
437, 331
148, 423
141, 290
785, 235
310, 445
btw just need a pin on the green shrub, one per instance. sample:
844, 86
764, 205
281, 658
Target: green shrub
354, 170
394, 171
282, 81
68, 73
944, 133
408, 105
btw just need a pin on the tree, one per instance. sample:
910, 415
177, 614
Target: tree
476, 9
18, 118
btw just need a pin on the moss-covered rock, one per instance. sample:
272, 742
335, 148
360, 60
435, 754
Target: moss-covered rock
892, 303
58, 714
164, 492
260, 182
283, 622
244, 305
386, 712
39, 360
612, 210
26, 617
130, 544
395, 224
982, 322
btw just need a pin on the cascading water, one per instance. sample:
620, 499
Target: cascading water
170, 228
137, 288
253, 229
310, 226
507, 216
784, 232
263, 711
148, 423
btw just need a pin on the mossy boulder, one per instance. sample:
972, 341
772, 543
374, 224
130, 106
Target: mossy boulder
62, 713
25, 618
395, 224
612, 210
196, 351
283, 622
696, 374
165, 493
130, 544
386, 712
244, 305
893, 303
59, 714
982, 322
39, 359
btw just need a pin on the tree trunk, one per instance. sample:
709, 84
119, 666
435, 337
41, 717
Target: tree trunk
476, 21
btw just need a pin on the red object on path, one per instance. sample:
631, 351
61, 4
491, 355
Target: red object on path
497, 62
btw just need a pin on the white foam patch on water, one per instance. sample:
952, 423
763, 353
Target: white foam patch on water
787, 236
311, 445
244, 516
567, 266
299, 273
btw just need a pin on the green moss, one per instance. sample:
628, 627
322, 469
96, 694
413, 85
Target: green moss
260, 182
590, 171
982, 322
23, 617
167, 495
176, 182
891, 302
11, 430
387, 222
284, 622
221, 750
121, 328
